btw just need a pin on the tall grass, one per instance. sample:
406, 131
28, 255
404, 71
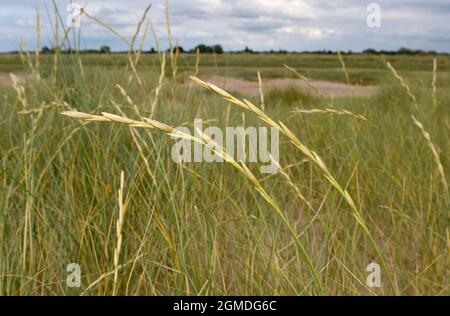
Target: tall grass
221, 228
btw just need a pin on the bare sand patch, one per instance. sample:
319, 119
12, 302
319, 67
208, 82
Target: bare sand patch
5, 78
250, 88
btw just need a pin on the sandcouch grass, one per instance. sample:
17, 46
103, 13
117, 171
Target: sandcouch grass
211, 229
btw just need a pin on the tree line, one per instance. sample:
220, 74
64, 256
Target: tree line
218, 49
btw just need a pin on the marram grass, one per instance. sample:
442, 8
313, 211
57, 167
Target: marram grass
350, 191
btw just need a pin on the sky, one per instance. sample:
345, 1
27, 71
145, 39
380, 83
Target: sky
298, 25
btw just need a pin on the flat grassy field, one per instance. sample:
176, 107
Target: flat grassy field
364, 178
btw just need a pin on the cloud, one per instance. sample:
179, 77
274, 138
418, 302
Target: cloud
311, 33
259, 24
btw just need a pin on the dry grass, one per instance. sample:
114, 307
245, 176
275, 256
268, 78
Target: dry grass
261, 94
197, 61
403, 83
308, 82
435, 153
311, 155
344, 68
330, 111
433, 82
160, 84
173, 60
119, 231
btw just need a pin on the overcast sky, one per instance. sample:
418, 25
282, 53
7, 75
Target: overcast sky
258, 24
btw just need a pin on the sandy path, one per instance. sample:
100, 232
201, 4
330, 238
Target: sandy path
327, 88
5, 78
250, 88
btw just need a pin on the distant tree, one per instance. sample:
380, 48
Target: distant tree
248, 50
370, 51
179, 49
403, 50
203, 49
105, 49
217, 49
45, 50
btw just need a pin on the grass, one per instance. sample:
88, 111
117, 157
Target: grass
362, 69
351, 191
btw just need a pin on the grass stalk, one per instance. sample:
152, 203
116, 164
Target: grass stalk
312, 156
435, 153
206, 141
403, 83
119, 231
344, 68
38, 43
261, 94
330, 111
433, 82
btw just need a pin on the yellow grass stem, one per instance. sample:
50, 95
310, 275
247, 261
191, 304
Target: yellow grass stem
344, 68
56, 46
38, 43
105, 25
435, 153
292, 184
308, 82
25, 55
141, 45
155, 39
20, 90
131, 63
160, 84
136, 33
261, 94
404, 84
169, 35
119, 231
433, 82
197, 61
330, 111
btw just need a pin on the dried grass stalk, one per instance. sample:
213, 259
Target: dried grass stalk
119, 228
308, 82
330, 111
344, 68
435, 153
433, 83
261, 94
404, 84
